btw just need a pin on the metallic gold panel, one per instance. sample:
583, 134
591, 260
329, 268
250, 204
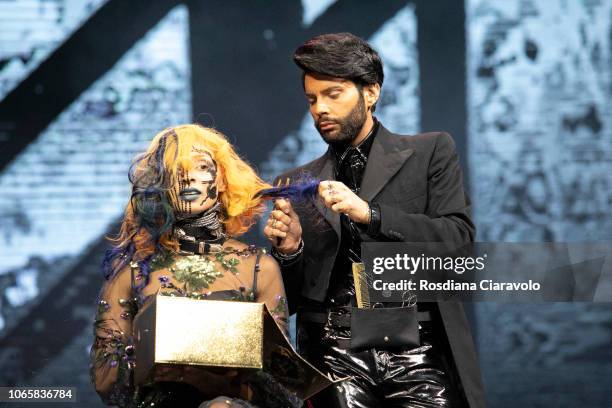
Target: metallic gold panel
214, 345
209, 332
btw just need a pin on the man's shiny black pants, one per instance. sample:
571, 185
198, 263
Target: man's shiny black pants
417, 377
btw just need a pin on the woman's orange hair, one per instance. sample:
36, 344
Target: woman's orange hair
149, 216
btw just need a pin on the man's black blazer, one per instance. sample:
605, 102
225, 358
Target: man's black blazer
418, 184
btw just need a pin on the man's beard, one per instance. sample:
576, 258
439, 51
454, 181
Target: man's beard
350, 125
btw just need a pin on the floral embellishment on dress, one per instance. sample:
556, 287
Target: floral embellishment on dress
161, 261
129, 307
227, 264
103, 306
195, 272
113, 348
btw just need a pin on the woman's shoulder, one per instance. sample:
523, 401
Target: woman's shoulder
233, 243
264, 259
235, 246
121, 277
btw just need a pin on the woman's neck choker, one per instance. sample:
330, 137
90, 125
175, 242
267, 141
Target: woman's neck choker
201, 227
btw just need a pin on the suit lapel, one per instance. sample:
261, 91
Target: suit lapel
327, 173
386, 157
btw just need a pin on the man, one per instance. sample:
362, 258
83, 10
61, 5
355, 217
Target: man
376, 187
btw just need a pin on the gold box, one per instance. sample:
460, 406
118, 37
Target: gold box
215, 345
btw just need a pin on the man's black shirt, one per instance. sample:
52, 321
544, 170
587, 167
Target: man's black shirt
349, 164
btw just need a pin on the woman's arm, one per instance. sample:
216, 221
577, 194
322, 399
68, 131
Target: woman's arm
271, 291
112, 353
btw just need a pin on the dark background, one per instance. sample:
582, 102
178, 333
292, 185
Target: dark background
524, 88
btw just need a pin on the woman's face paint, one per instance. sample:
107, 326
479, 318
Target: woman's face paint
196, 190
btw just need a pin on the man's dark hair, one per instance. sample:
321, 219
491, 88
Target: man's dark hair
341, 55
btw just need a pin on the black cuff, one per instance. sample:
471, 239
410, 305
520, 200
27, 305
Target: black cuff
375, 219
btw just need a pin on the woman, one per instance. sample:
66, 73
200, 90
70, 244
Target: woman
191, 196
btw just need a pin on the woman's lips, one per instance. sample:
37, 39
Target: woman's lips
189, 194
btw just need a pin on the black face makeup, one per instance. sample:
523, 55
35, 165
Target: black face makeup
197, 188
211, 186
211, 194
183, 186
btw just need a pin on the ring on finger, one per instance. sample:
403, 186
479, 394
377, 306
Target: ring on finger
274, 223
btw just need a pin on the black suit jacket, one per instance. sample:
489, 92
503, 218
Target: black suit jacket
418, 184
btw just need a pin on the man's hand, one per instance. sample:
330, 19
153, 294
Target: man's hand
339, 198
283, 228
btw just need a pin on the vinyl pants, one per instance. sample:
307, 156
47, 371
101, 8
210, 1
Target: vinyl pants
417, 377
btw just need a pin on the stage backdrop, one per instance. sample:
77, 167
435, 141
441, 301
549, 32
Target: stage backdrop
524, 87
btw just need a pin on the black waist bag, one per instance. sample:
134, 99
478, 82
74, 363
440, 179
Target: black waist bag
384, 328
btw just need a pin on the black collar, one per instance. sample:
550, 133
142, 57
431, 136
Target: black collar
202, 247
